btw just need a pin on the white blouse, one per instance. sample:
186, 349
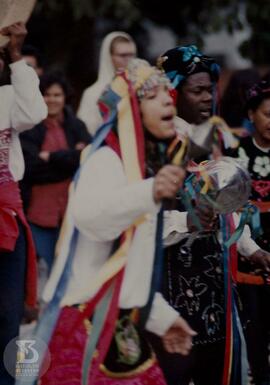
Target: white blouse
21, 107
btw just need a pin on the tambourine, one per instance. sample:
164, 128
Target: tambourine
229, 184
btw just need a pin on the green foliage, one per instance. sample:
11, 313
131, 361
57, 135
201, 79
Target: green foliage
72, 21
79, 9
207, 14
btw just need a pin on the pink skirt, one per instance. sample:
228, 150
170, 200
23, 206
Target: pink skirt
67, 352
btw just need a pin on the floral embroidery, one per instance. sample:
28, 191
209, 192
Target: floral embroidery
214, 270
5, 138
262, 165
190, 293
262, 187
211, 317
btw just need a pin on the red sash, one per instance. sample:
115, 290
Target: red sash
10, 208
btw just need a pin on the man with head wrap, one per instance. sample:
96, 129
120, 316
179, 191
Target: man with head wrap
193, 273
194, 77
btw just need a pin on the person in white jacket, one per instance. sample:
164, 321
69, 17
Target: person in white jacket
21, 107
116, 50
117, 191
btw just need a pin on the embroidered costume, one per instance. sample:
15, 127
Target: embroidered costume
197, 281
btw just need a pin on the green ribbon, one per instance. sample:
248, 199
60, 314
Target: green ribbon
97, 326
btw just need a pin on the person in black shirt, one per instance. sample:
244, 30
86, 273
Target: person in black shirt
254, 152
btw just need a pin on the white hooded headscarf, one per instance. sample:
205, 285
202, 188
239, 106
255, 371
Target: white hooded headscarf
88, 109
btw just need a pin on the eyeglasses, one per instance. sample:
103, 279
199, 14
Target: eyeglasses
124, 55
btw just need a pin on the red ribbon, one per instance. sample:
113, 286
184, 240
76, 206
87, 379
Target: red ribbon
231, 278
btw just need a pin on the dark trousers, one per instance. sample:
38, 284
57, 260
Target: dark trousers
204, 365
45, 239
12, 281
256, 300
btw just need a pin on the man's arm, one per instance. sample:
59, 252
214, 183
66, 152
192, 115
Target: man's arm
28, 106
167, 323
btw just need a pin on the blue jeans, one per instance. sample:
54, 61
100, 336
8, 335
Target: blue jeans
45, 239
12, 283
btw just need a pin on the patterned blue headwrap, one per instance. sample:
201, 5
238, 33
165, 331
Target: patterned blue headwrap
181, 62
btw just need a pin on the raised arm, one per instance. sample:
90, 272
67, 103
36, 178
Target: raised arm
28, 106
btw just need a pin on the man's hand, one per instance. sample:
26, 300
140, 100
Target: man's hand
261, 258
178, 338
17, 33
167, 182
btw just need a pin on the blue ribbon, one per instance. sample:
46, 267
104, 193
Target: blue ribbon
244, 359
239, 367
157, 270
99, 319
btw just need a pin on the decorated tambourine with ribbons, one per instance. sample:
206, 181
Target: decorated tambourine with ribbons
224, 184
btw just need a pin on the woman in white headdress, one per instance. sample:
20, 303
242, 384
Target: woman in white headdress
116, 50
